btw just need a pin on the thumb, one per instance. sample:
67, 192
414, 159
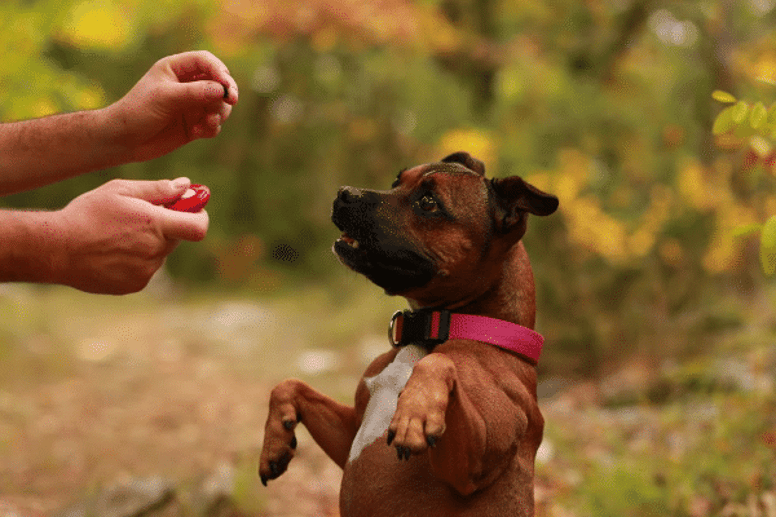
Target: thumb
156, 192
198, 93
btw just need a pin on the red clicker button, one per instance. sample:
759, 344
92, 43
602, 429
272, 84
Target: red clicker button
193, 200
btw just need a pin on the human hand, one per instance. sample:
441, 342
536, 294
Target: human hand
182, 97
115, 237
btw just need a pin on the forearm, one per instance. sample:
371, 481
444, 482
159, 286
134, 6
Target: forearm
31, 247
37, 152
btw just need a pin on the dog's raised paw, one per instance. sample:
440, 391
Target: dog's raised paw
419, 421
273, 468
279, 439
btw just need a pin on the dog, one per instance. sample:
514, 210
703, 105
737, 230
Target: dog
447, 421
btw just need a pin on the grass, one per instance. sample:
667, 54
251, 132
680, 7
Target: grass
700, 455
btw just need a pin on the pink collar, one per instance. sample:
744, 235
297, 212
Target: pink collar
430, 328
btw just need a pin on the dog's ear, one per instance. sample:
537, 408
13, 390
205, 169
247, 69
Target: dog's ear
515, 197
467, 161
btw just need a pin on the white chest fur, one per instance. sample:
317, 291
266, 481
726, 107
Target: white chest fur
384, 389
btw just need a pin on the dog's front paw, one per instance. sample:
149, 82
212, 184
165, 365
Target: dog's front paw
419, 421
279, 438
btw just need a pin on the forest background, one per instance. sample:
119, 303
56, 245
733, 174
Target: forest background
653, 258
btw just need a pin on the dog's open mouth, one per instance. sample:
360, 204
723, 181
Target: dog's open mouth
386, 260
351, 252
348, 240
395, 271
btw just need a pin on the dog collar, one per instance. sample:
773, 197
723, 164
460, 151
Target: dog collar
430, 328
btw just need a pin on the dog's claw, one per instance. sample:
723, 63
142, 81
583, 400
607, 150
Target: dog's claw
263, 480
288, 424
431, 440
293, 443
403, 453
391, 436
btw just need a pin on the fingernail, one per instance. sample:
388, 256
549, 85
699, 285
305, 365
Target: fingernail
181, 183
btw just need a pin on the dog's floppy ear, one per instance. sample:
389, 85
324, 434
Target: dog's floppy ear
515, 197
467, 161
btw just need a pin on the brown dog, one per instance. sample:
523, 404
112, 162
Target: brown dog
456, 398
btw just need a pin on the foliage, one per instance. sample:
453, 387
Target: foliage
752, 126
606, 104
681, 459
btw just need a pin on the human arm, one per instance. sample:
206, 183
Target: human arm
110, 240
180, 99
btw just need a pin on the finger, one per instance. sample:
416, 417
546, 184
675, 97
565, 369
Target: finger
191, 64
185, 226
224, 110
232, 93
197, 65
156, 192
205, 130
198, 93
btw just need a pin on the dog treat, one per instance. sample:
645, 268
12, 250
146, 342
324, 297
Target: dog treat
193, 200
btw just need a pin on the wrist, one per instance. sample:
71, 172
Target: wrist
34, 247
112, 126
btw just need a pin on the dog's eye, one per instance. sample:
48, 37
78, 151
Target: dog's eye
427, 203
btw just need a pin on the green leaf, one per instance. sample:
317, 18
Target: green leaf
724, 121
740, 110
743, 131
772, 114
719, 95
758, 115
768, 246
746, 230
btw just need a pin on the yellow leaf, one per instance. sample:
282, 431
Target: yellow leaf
478, 143
721, 96
98, 25
765, 68
693, 188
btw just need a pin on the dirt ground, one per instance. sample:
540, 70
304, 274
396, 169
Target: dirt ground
90, 397
98, 391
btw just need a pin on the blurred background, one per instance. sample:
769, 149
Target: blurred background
659, 366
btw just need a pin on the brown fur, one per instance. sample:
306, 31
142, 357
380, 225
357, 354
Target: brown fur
475, 402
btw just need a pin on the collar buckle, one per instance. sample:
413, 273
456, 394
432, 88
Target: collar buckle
425, 327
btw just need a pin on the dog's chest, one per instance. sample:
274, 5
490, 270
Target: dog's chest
384, 389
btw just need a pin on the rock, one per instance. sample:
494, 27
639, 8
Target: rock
214, 496
147, 497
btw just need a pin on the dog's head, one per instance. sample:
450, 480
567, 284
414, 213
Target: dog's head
439, 224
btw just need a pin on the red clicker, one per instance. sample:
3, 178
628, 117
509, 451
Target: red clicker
193, 200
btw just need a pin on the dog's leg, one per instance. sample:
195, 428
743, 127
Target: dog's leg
435, 413
331, 424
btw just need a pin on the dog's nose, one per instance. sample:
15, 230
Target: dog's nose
349, 194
